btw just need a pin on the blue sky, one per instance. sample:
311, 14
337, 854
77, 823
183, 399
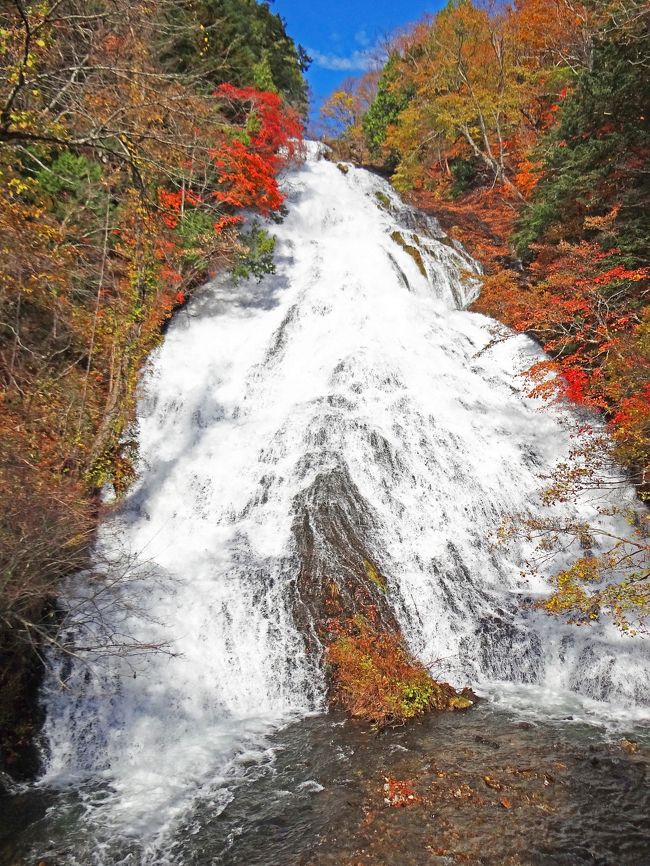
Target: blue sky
340, 34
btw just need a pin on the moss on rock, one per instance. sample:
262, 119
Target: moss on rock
414, 252
461, 702
374, 575
383, 200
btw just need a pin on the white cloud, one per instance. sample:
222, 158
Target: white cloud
358, 60
362, 38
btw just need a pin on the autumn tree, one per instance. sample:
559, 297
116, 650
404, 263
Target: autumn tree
343, 112
466, 85
240, 42
594, 159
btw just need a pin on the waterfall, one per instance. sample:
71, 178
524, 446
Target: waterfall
353, 381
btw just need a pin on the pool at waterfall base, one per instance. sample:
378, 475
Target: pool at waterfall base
486, 788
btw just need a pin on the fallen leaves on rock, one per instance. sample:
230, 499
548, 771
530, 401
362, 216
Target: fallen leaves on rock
492, 783
399, 793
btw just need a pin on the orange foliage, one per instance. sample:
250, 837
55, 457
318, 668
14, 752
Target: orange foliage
374, 677
482, 220
399, 793
588, 314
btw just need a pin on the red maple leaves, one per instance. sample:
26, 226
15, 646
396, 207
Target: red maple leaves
248, 163
258, 137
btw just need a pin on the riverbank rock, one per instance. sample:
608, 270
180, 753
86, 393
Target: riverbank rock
345, 611
374, 676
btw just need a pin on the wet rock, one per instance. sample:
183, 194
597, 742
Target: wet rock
335, 537
383, 200
485, 741
460, 702
413, 251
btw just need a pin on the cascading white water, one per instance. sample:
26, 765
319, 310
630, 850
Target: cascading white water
350, 357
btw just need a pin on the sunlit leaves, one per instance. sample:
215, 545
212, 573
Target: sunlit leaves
377, 679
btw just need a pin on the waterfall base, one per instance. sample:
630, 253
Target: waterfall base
485, 788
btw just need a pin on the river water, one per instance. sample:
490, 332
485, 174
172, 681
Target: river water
353, 394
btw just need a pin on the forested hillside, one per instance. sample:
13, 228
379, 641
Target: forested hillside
132, 135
